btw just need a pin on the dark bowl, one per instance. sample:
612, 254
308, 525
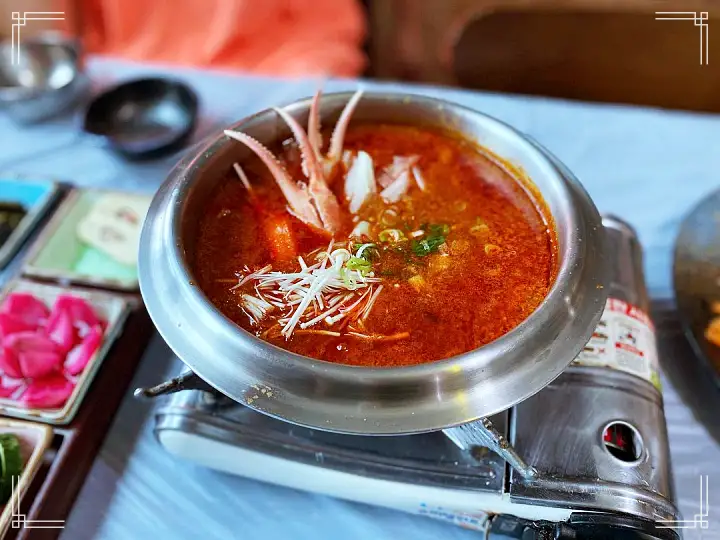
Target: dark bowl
696, 276
144, 118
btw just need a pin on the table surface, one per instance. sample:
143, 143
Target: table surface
647, 166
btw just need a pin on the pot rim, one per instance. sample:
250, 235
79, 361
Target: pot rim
470, 361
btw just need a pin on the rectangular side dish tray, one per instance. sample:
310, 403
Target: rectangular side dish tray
112, 308
34, 440
36, 197
91, 240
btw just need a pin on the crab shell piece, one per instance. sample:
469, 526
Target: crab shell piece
313, 202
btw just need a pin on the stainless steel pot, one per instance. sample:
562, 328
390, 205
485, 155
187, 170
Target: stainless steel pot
362, 400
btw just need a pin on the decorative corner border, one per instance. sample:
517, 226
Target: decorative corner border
700, 520
20, 20
20, 521
700, 18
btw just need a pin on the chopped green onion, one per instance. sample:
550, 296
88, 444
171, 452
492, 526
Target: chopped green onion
348, 279
391, 235
366, 251
360, 264
437, 233
428, 245
480, 228
438, 229
389, 217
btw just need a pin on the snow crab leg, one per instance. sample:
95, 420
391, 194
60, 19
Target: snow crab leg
337, 139
313, 202
325, 201
296, 193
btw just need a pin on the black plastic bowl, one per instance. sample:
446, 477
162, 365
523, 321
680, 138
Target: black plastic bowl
144, 118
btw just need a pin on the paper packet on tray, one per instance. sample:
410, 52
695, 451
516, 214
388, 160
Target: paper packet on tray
113, 226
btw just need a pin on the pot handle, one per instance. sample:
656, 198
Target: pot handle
186, 381
483, 433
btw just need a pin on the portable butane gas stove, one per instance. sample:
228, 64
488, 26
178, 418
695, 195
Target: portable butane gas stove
586, 457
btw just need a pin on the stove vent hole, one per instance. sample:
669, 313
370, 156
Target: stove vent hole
623, 442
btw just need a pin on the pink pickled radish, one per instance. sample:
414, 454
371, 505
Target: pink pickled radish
47, 392
9, 387
26, 307
80, 312
79, 357
36, 355
39, 347
61, 330
9, 365
12, 324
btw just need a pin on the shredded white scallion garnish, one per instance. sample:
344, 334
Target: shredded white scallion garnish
326, 291
256, 308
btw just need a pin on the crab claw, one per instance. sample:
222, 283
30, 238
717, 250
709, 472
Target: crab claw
325, 201
314, 126
338, 136
295, 193
337, 140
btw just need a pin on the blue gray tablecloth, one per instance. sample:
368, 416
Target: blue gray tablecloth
647, 166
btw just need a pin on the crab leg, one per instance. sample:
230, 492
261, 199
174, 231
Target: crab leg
338, 137
327, 205
295, 193
314, 126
